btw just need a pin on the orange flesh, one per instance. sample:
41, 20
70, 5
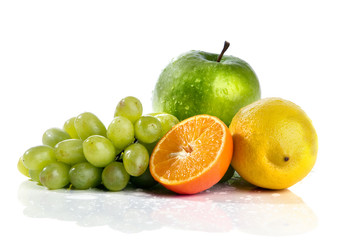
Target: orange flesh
188, 150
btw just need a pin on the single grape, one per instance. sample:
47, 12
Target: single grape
114, 176
55, 175
99, 151
129, 107
36, 158
145, 180
153, 114
22, 169
148, 129
136, 159
167, 121
70, 151
54, 135
69, 127
84, 175
34, 175
87, 124
121, 132
149, 146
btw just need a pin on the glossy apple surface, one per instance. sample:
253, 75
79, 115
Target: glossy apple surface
195, 83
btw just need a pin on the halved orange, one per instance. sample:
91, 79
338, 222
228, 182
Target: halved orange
193, 156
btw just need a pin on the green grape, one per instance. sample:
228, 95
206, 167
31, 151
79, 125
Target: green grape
149, 146
136, 159
154, 114
87, 124
22, 169
114, 176
84, 175
145, 180
55, 175
228, 175
167, 121
70, 151
34, 175
54, 135
69, 127
121, 132
129, 107
148, 129
99, 151
36, 158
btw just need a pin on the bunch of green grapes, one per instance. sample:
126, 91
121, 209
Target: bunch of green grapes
85, 154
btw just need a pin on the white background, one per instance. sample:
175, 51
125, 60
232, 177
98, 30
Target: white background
61, 58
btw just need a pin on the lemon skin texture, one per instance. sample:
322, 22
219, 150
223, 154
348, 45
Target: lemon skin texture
195, 83
275, 143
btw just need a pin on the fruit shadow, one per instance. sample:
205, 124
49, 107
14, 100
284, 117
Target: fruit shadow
234, 205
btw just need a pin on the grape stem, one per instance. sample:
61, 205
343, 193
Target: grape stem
226, 46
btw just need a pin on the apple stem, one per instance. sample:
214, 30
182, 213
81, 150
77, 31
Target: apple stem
226, 46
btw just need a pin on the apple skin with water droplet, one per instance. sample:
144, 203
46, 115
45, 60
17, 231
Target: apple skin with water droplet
196, 83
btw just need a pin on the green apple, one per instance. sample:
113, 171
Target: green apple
198, 82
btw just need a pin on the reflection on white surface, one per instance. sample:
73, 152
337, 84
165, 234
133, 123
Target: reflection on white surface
235, 205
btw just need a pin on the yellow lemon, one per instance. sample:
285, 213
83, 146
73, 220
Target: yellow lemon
275, 143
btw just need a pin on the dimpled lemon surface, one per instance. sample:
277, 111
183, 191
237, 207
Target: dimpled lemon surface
275, 143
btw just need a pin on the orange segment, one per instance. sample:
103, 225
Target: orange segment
193, 156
